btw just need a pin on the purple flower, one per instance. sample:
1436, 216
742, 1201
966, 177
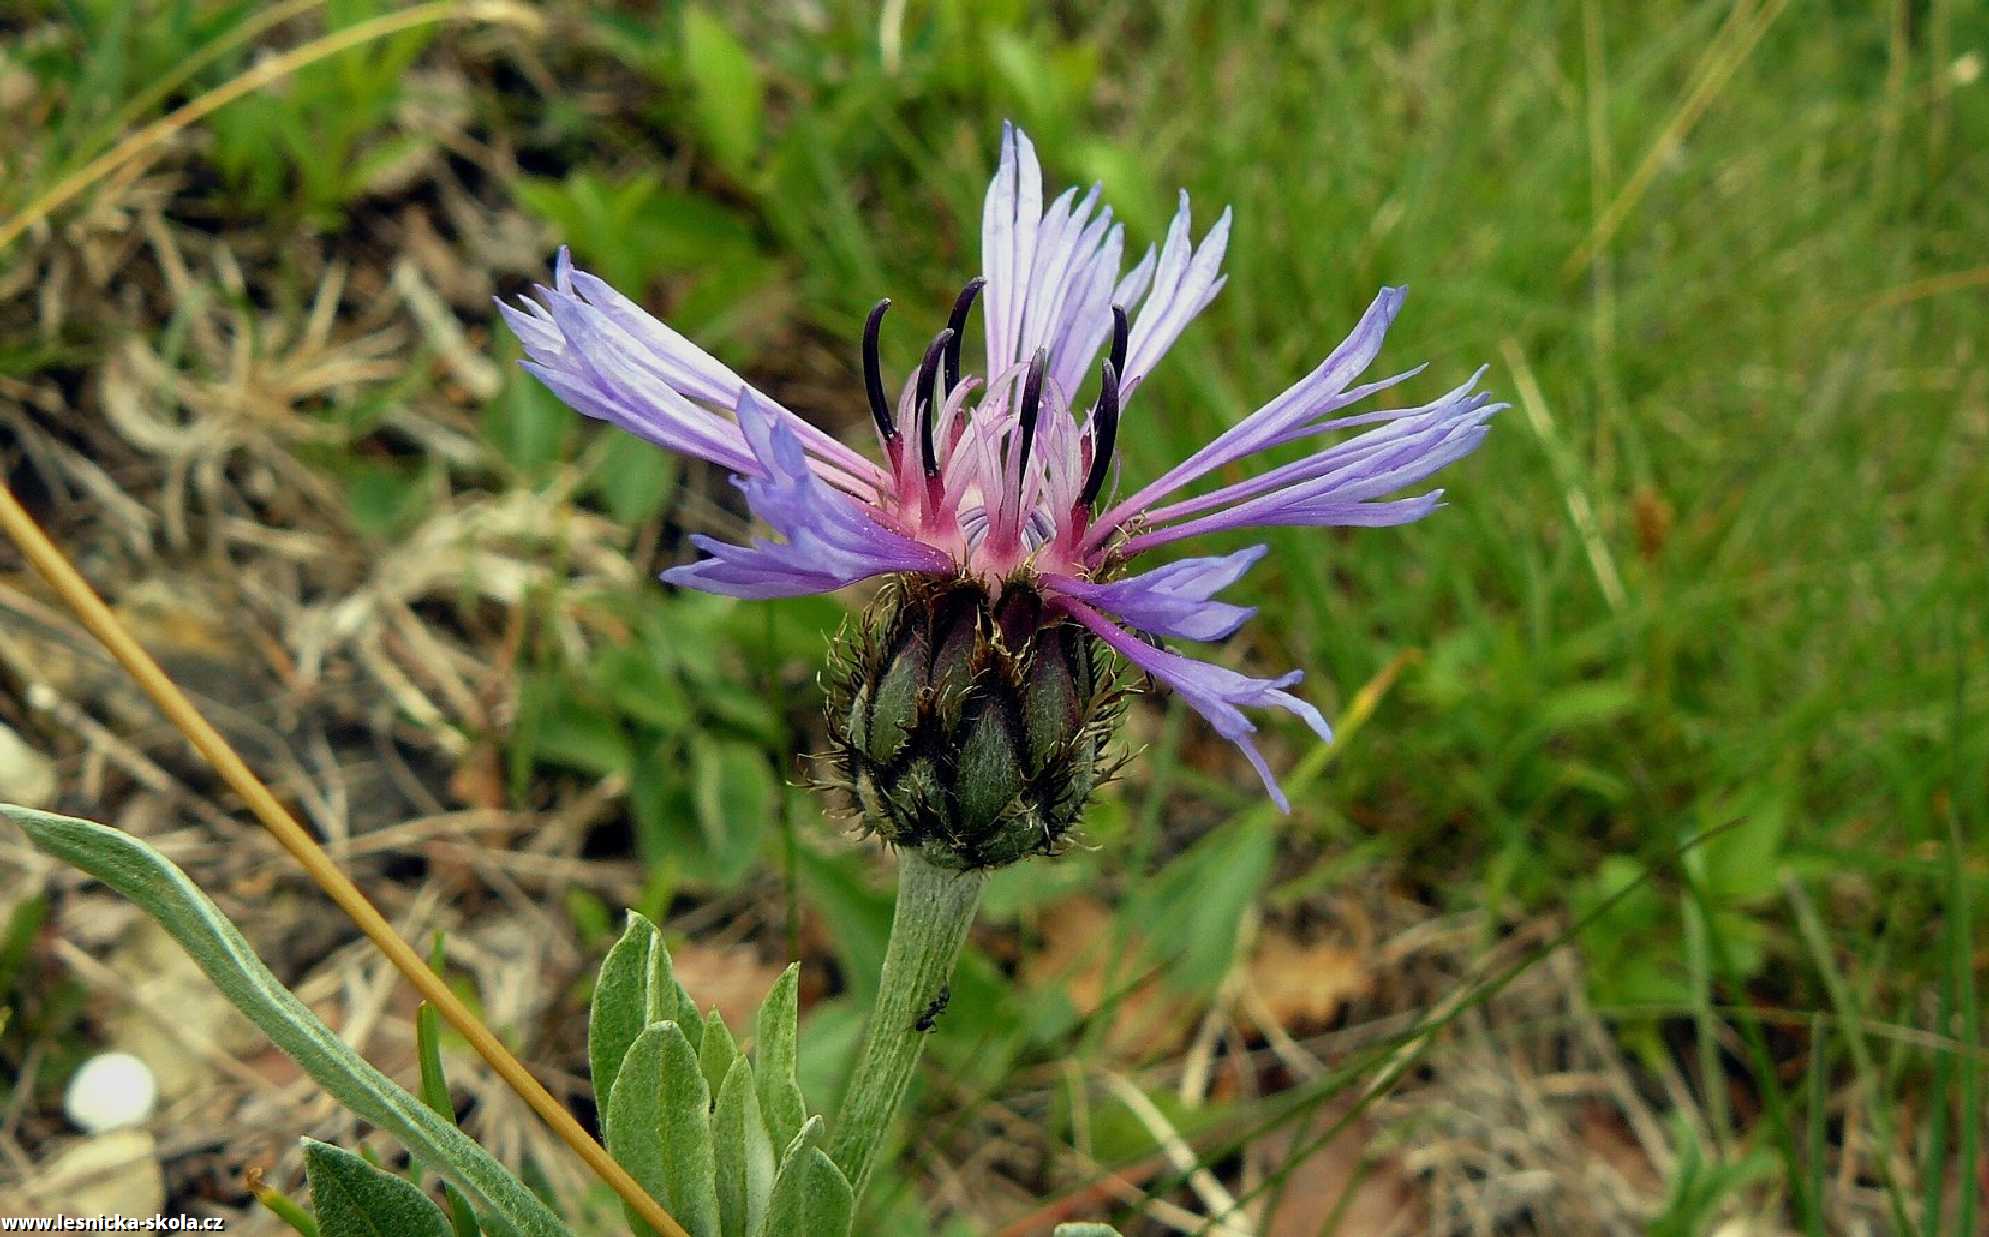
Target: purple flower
1000, 476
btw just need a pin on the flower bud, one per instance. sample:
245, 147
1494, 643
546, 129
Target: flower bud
970, 728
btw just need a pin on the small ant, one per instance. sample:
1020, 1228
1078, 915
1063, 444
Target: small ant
933, 1010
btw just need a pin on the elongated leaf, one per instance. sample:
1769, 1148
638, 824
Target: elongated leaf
620, 1007
659, 1128
668, 1001
812, 1133
355, 1199
743, 1153
775, 1054
149, 879
811, 1196
717, 1051
1085, 1228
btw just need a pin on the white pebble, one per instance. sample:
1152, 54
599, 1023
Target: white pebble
26, 776
109, 1092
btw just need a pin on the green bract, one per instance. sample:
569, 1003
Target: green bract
971, 729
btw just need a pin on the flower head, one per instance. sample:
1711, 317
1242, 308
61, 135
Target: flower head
999, 478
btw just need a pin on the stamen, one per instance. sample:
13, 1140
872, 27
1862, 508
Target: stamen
1104, 431
1032, 407
1121, 333
922, 406
873, 372
957, 323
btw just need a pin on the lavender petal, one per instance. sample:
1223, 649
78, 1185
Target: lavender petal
1337, 485
828, 539
1188, 278
1176, 600
602, 353
1217, 693
1301, 402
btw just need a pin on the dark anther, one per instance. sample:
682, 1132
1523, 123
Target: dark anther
1032, 405
1121, 332
957, 323
1104, 432
922, 408
873, 371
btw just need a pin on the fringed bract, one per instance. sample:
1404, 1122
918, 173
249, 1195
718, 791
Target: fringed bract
972, 729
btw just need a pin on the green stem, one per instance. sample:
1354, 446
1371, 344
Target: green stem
935, 907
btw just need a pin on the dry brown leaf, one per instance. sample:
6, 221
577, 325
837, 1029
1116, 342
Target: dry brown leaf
478, 780
1076, 956
1306, 985
1336, 1188
1654, 517
1606, 1137
732, 977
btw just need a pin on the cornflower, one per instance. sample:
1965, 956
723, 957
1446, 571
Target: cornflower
997, 488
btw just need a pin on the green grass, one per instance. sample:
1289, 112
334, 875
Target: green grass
1723, 569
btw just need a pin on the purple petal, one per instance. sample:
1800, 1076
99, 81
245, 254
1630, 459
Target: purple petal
829, 539
604, 372
1304, 400
1456, 406
688, 367
1136, 282
601, 353
1010, 217
1049, 264
1313, 515
1337, 485
1188, 278
1087, 318
1074, 292
534, 328
1051, 273
1053, 276
1174, 254
1175, 600
998, 252
1218, 694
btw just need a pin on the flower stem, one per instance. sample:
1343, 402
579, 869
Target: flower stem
935, 907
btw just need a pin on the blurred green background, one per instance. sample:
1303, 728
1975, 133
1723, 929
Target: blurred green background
1695, 659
